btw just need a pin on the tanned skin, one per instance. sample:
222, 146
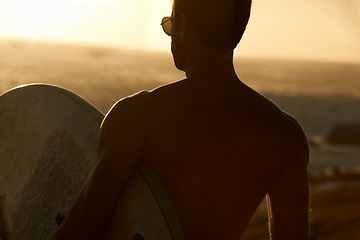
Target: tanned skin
217, 146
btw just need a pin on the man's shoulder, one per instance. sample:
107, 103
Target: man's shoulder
137, 105
134, 100
296, 140
283, 127
277, 119
126, 115
169, 89
293, 127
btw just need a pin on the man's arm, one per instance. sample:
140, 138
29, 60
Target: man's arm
288, 199
120, 148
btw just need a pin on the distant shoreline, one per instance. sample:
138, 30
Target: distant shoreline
238, 57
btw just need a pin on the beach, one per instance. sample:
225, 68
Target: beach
318, 94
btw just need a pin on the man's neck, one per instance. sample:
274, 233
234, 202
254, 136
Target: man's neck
212, 70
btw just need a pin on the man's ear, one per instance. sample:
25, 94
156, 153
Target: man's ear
185, 27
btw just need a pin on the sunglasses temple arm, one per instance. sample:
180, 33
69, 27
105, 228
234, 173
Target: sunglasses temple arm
166, 21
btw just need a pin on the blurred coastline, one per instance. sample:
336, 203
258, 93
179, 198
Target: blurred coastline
318, 94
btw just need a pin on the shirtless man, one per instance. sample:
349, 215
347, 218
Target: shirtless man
217, 146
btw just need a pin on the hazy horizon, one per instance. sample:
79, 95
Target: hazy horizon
322, 30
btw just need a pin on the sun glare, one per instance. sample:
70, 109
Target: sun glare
303, 29
39, 18
126, 23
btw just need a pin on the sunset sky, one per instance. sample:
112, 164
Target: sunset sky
322, 29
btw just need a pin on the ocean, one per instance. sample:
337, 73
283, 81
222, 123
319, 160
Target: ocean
318, 94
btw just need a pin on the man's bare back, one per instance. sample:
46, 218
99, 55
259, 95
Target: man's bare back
217, 155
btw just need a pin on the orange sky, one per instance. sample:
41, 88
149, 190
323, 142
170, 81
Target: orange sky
319, 29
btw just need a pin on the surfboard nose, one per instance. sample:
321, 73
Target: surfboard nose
48, 146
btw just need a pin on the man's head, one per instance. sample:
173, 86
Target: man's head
217, 23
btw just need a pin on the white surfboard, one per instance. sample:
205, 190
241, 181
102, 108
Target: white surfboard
48, 146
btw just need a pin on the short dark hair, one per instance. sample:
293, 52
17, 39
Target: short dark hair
219, 23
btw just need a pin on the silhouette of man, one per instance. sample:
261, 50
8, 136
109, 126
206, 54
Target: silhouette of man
217, 146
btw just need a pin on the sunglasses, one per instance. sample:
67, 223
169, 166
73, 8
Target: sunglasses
166, 24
